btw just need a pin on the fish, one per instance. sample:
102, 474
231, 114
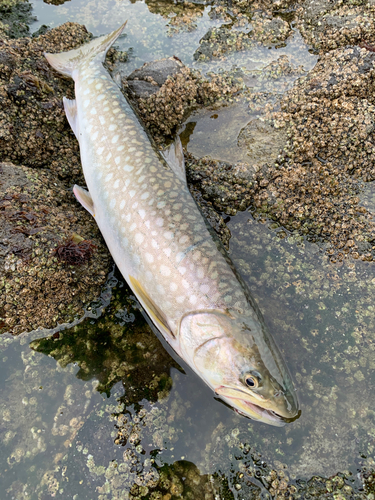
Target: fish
164, 247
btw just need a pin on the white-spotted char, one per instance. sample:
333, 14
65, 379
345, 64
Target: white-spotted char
164, 248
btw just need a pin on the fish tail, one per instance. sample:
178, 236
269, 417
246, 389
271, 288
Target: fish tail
67, 62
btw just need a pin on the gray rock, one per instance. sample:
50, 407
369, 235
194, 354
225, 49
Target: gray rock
158, 71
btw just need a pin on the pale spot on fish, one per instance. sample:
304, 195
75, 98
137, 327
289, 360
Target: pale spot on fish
185, 284
154, 244
168, 235
86, 103
173, 287
193, 299
132, 193
112, 203
114, 139
98, 86
142, 213
159, 222
109, 156
87, 91
177, 217
133, 226
93, 111
204, 288
167, 251
161, 204
200, 272
182, 270
139, 238
100, 151
184, 239
100, 97
145, 196
128, 168
108, 177
116, 184
120, 148
122, 204
165, 271
112, 127
117, 160
102, 120
180, 299
94, 135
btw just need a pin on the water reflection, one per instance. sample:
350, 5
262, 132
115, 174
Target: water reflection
117, 347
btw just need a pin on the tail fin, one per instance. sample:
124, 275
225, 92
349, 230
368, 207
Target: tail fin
67, 62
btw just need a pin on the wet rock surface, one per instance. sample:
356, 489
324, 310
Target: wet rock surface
166, 91
328, 25
33, 129
15, 17
37, 214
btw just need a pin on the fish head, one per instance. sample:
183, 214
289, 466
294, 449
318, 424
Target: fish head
237, 357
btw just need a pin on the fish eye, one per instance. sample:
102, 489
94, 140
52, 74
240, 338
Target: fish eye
252, 380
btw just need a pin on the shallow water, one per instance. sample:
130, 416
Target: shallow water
105, 405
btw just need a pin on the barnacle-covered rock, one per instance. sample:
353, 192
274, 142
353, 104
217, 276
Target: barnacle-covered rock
15, 17
38, 213
328, 25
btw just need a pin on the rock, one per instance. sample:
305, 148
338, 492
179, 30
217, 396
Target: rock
262, 142
33, 127
15, 18
157, 71
38, 213
328, 25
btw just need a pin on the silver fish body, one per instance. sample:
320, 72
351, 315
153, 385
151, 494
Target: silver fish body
164, 248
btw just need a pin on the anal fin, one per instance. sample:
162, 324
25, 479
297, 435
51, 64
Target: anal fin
70, 108
152, 309
84, 197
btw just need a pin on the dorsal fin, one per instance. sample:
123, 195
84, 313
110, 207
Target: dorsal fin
157, 316
174, 156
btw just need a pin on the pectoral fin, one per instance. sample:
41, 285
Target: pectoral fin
174, 156
84, 197
152, 309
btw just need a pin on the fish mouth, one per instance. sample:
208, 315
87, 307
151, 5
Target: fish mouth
249, 409
264, 415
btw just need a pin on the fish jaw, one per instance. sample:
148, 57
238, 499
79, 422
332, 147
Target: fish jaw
244, 405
